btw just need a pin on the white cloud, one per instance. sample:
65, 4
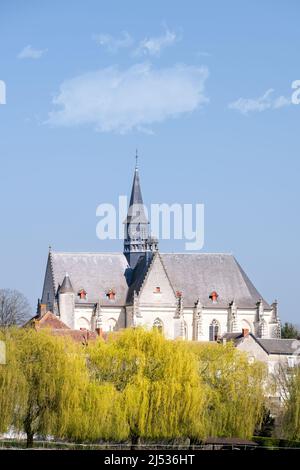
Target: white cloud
203, 54
266, 101
153, 46
113, 100
113, 44
30, 53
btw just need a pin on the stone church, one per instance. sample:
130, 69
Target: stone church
195, 296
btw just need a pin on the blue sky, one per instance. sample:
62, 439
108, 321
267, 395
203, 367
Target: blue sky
201, 88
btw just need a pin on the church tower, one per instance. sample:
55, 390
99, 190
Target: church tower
137, 239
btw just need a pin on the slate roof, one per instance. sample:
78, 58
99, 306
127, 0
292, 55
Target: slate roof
199, 274
94, 272
136, 200
138, 275
196, 275
66, 285
270, 345
279, 346
136, 192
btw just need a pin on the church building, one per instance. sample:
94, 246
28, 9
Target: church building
194, 296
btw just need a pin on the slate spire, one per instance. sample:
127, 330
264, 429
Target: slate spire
137, 240
66, 285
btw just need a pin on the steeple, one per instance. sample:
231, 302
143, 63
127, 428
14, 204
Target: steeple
137, 240
136, 193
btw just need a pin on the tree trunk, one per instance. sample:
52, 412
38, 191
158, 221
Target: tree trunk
135, 442
28, 430
29, 442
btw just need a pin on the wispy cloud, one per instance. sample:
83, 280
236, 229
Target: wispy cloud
262, 103
114, 100
154, 45
203, 54
30, 53
113, 44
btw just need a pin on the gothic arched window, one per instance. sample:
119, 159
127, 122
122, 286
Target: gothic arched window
214, 330
110, 324
158, 324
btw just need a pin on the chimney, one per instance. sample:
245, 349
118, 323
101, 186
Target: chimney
42, 309
214, 296
99, 332
245, 332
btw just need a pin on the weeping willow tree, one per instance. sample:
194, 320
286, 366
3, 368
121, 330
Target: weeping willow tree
289, 382
236, 397
135, 385
162, 393
12, 383
53, 376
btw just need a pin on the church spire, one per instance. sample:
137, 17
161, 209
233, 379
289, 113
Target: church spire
137, 238
136, 192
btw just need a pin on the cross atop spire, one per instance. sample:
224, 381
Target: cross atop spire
136, 159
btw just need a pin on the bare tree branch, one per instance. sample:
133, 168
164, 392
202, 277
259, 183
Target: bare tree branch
14, 308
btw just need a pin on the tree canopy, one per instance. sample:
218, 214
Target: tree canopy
290, 331
135, 385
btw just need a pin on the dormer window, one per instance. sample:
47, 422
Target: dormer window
157, 290
82, 294
110, 294
214, 296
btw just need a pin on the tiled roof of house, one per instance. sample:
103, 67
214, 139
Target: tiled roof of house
49, 320
58, 328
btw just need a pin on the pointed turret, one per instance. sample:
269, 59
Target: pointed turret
66, 285
137, 240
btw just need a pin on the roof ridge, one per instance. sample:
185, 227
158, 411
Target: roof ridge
197, 253
52, 270
88, 253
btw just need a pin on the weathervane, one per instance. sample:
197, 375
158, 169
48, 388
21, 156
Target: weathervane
136, 159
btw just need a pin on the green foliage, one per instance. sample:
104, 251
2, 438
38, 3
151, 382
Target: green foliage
291, 418
236, 398
290, 331
158, 382
12, 383
135, 385
273, 442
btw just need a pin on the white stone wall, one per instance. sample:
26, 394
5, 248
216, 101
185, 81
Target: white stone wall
148, 315
84, 318
253, 349
113, 318
67, 309
157, 278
